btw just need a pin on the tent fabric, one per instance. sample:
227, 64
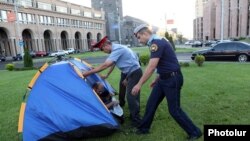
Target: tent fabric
94, 77
62, 106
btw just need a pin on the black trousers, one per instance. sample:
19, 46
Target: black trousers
122, 90
134, 101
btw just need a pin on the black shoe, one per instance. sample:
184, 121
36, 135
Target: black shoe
141, 132
192, 138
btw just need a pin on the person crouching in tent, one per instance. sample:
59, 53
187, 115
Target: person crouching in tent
110, 102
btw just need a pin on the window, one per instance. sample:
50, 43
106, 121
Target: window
75, 12
29, 18
61, 9
26, 3
49, 20
20, 17
87, 14
44, 6
242, 46
230, 46
41, 19
58, 21
45, 19
3, 16
97, 15
219, 47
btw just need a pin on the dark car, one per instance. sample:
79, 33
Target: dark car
17, 57
226, 51
2, 58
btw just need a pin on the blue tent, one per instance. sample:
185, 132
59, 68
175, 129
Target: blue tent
62, 105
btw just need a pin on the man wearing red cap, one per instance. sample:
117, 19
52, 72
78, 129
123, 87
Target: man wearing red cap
127, 61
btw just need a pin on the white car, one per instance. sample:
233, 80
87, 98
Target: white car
71, 50
66, 51
58, 53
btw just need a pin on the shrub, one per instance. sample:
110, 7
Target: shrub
199, 60
242, 38
144, 59
184, 64
27, 59
9, 67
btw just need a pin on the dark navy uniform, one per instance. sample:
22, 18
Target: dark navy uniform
169, 86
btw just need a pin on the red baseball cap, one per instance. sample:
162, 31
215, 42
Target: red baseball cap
101, 42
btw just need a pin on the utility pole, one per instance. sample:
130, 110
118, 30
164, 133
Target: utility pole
222, 20
119, 30
19, 41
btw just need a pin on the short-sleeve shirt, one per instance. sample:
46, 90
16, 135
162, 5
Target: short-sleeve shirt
124, 58
161, 48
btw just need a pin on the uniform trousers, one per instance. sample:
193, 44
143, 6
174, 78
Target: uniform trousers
170, 88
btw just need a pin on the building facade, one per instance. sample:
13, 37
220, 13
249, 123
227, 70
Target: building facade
236, 18
113, 16
128, 26
198, 21
47, 25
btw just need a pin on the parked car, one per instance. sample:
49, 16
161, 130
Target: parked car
17, 57
226, 51
197, 44
209, 43
2, 58
71, 50
66, 52
188, 42
32, 54
41, 53
57, 53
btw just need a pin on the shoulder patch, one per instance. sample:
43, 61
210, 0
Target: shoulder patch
153, 48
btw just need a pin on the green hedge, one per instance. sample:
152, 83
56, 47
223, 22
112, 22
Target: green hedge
144, 59
9, 67
199, 60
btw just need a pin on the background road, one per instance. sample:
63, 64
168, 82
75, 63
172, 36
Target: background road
96, 60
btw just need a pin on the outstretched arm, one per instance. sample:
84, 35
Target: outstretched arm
101, 67
109, 72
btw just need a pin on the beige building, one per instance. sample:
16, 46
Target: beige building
198, 21
235, 19
48, 25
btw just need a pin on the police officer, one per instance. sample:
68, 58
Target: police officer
167, 84
127, 61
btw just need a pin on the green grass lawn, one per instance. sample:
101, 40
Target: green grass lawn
217, 93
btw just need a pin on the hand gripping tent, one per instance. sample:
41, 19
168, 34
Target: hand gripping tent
61, 105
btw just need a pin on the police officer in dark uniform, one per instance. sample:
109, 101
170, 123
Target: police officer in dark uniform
167, 84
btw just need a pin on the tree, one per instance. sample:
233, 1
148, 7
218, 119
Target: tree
28, 62
180, 38
170, 39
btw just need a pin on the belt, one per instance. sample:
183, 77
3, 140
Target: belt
168, 75
133, 72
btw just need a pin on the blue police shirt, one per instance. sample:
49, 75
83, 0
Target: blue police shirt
161, 48
124, 58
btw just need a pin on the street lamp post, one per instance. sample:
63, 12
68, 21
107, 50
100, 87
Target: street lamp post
119, 29
222, 20
19, 41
